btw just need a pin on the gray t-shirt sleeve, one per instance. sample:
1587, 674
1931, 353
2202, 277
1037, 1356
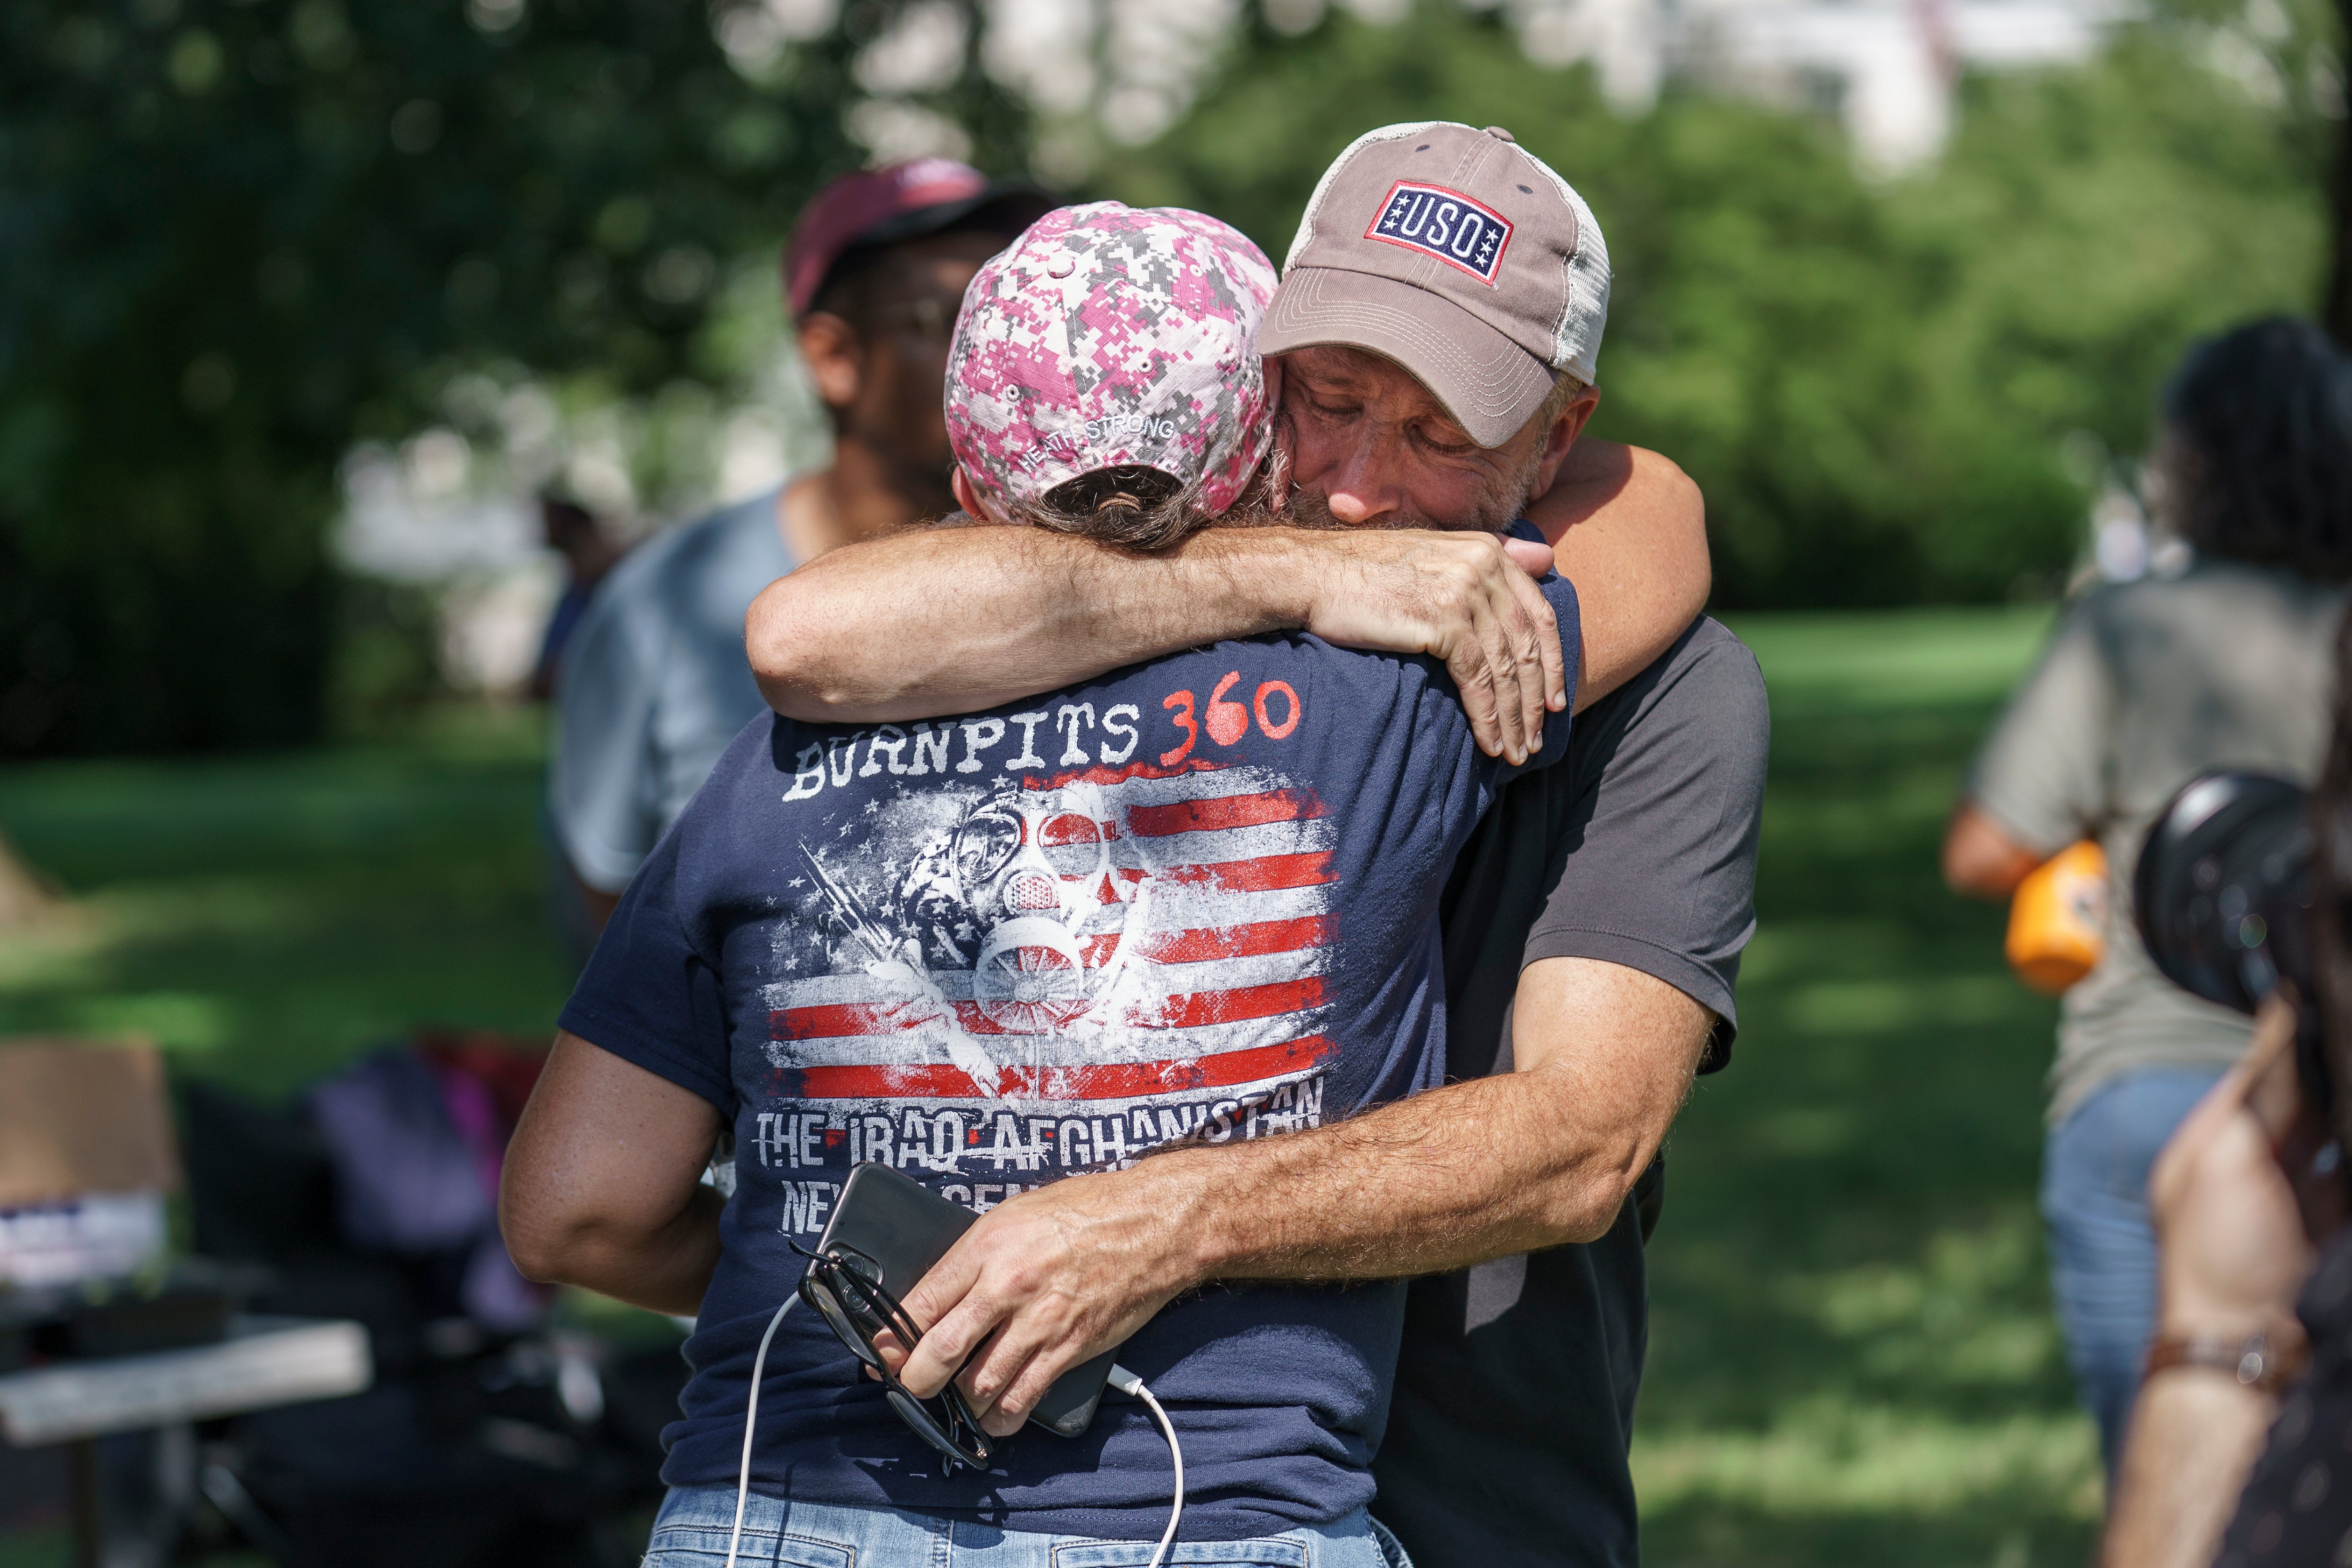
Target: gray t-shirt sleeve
603, 789
2040, 773
655, 685
1659, 872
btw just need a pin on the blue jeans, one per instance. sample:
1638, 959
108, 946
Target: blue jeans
2102, 1246
692, 1533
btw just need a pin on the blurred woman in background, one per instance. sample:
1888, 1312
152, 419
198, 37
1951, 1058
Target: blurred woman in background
2224, 663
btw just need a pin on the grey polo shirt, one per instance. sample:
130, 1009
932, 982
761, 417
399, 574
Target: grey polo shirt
2144, 686
1514, 1403
656, 684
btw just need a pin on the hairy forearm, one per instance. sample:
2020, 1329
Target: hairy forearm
954, 620
1448, 1178
1526, 1159
2194, 1436
1533, 1158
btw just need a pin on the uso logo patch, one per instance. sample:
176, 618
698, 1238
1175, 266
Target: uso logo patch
1447, 225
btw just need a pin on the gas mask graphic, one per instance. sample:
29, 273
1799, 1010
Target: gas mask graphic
1037, 877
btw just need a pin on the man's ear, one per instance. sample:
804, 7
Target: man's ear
1562, 435
968, 496
835, 357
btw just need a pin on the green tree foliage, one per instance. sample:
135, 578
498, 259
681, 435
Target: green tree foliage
236, 235
1872, 382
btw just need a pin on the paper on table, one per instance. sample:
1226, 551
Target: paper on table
264, 1362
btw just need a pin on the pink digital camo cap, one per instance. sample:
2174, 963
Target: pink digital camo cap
1109, 335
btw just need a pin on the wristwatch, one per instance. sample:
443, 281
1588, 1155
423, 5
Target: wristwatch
2259, 1362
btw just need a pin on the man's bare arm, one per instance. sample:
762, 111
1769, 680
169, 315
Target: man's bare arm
2231, 1255
1981, 859
1529, 1159
1628, 529
2193, 1440
601, 1186
952, 621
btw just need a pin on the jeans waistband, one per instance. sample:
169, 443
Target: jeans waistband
695, 1524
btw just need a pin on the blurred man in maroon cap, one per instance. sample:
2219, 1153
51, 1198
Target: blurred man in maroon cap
654, 683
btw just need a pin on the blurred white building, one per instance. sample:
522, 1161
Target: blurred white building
457, 514
1884, 68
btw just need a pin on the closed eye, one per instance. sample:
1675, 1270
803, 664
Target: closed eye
1439, 442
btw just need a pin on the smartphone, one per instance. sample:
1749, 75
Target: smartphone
905, 1228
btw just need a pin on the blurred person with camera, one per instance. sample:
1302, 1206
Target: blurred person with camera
2144, 685
2244, 888
654, 684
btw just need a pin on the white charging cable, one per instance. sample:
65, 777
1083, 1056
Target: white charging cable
750, 1414
1121, 1379
1126, 1383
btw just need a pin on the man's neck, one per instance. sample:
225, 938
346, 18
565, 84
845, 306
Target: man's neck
857, 496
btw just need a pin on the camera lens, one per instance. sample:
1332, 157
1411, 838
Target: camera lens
2223, 888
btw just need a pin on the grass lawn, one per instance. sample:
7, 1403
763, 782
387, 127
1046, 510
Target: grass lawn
1851, 1356
265, 918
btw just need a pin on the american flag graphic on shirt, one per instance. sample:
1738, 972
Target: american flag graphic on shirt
990, 984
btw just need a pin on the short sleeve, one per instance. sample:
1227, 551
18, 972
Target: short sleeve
1659, 868
648, 996
2042, 772
601, 786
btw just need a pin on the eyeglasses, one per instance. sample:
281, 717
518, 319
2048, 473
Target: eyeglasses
930, 318
845, 1285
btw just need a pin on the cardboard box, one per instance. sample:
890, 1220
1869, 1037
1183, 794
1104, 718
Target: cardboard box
81, 1117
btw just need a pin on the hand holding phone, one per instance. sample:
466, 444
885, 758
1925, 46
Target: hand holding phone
902, 1229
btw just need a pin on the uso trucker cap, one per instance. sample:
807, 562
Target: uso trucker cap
894, 203
1460, 256
1109, 335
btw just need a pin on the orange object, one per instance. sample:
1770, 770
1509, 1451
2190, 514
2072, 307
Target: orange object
2057, 920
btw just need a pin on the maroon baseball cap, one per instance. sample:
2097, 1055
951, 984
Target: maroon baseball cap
894, 203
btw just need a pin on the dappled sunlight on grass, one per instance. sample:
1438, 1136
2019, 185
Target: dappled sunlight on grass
1892, 660
1853, 1357
265, 918
1830, 1455
1873, 1007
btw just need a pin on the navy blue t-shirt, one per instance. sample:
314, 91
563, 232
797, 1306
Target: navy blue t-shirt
1197, 897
